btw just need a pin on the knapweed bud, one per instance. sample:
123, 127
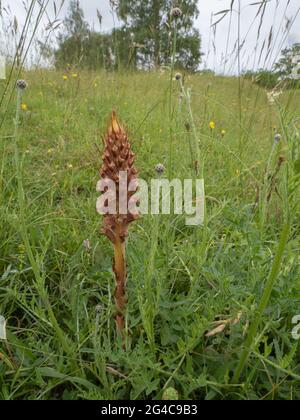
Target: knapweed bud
176, 13
21, 84
187, 126
178, 76
277, 138
87, 245
98, 309
160, 169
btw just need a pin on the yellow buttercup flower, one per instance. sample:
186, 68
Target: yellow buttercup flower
24, 107
212, 125
65, 77
223, 132
74, 75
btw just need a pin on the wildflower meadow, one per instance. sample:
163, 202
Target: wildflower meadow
181, 282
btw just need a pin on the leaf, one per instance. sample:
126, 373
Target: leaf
220, 20
216, 331
297, 166
2, 328
259, 3
221, 325
222, 12
236, 320
52, 373
170, 394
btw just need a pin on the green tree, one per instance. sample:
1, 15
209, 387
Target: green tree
81, 47
151, 23
286, 64
73, 37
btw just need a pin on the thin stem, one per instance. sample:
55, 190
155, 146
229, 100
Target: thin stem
195, 162
239, 78
265, 186
173, 59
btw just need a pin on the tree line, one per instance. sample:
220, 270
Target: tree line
144, 40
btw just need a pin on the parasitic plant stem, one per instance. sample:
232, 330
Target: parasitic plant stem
120, 292
117, 204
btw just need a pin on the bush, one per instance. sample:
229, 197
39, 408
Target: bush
270, 80
264, 78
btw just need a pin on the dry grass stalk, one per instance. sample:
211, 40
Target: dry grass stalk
118, 157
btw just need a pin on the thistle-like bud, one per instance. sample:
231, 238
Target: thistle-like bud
187, 126
21, 84
277, 138
178, 76
176, 13
160, 169
118, 160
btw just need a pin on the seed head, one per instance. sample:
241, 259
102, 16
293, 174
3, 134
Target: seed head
160, 169
21, 84
98, 309
87, 245
176, 13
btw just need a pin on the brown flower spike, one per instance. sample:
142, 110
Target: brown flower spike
118, 158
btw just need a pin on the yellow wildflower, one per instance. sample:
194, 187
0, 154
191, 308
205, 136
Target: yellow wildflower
65, 77
74, 75
24, 107
212, 125
223, 132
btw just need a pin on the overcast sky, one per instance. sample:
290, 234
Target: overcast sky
214, 46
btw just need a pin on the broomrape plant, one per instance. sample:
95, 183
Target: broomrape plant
117, 159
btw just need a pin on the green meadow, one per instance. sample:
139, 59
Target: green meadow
198, 296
